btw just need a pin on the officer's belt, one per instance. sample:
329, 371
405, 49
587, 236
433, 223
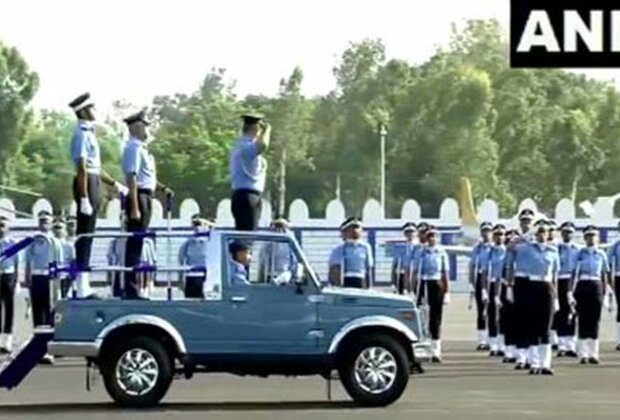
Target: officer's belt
355, 275
8, 271
431, 278
40, 272
589, 278
521, 274
545, 279
93, 171
194, 274
565, 276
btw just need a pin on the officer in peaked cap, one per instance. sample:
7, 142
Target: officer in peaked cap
68, 253
193, 253
89, 174
499, 321
248, 170
138, 166
526, 219
478, 271
351, 263
402, 263
613, 254
277, 260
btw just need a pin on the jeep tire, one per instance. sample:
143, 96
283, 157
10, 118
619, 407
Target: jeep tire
137, 372
374, 370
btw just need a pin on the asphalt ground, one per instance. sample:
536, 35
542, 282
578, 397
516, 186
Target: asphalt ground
468, 385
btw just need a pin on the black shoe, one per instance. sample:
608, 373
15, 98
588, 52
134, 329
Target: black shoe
572, 354
481, 347
561, 353
583, 361
547, 372
511, 360
554, 347
618, 347
535, 371
500, 354
593, 361
519, 366
436, 359
493, 354
4, 351
527, 366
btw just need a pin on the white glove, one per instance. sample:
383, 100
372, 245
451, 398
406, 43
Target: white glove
556, 305
85, 207
498, 302
485, 295
121, 189
394, 289
472, 289
446, 299
510, 296
283, 278
571, 299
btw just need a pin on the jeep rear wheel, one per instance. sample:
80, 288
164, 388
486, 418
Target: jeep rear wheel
374, 370
137, 373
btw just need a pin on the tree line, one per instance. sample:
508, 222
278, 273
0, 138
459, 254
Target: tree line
515, 133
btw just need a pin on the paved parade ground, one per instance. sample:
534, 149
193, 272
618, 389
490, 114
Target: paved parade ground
468, 385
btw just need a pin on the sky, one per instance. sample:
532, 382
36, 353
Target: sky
136, 49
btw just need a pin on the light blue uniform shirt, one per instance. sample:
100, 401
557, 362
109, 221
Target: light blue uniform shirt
247, 166
139, 161
542, 262
433, 263
516, 257
479, 260
497, 261
238, 274
8, 265
355, 258
592, 263
38, 255
403, 258
568, 259
613, 255
84, 145
278, 258
193, 252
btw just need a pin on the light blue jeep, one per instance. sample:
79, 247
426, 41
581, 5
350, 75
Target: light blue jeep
289, 325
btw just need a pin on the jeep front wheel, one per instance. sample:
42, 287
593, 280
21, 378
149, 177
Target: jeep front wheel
137, 373
373, 370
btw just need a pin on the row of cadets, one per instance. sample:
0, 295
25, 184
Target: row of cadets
351, 263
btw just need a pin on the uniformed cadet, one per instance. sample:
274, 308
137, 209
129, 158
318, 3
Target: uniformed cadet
564, 318
193, 252
478, 266
148, 258
495, 285
240, 258
614, 261
38, 259
116, 258
413, 281
544, 265
432, 271
277, 262
587, 291
518, 286
507, 321
402, 264
68, 255
86, 157
138, 165
8, 283
351, 264
248, 169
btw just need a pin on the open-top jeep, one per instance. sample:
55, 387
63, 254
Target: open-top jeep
290, 325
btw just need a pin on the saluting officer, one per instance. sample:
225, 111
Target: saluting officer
614, 261
544, 266
478, 266
351, 263
138, 165
403, 259
86, 157
495, 281
38, 259
587, 291
8, 282
193, 253
277, 260
68, 254
564, 319
432, 272
248, 169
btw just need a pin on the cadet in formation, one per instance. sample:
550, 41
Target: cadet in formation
432, 270
248, 170
68, 255
494, 279
478, 266
38, 259
86, 158
402, 264
565, 318
193, 253
614, 261
586, 294
277, 262
507, 318
351, 263
8, 284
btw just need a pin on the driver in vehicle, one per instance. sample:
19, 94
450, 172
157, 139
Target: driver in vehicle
240, 258
277, 260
